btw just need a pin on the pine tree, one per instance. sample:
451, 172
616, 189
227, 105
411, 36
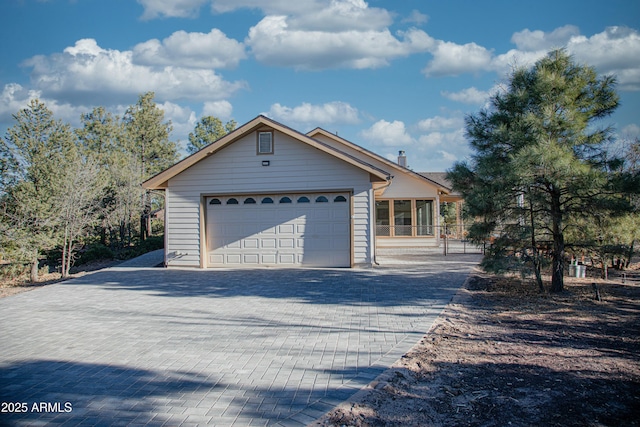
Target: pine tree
35, 154
539, 160
208, 130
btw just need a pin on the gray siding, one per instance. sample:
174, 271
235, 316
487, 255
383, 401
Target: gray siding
237, 168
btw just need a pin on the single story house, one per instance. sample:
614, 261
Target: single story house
268, 195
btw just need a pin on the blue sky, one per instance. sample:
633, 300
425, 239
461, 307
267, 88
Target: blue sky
386, 74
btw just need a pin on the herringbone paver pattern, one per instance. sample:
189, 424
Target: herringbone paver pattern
152, 347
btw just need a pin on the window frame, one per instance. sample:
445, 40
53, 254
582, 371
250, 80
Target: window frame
271, 145
415, 227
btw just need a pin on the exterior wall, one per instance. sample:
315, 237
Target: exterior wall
403, 186
237, 169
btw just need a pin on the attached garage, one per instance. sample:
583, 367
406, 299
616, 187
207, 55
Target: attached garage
266, 195
284, 230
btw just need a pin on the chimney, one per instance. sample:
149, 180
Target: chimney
402, 159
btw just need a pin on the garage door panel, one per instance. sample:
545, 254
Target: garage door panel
251, 258
268, 259
251, 243
233, 259
287, 259
287, 243
286, 229
269, 243
287, 234
233, 244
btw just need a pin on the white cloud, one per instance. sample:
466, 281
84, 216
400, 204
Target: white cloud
220, 109
171, 8
533, 41
443, 140
454, 59
342, 15
271, 7
615, 50
183, 119
332, 15
14, 97
193, 50
440, 123
441, 149
388, 133
273, 42
329, 113
472, 95
416, 17
304, 34
87, 72
631, 131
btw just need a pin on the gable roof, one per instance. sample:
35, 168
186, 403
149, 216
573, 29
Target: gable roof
442, 178
440, 184
161, 179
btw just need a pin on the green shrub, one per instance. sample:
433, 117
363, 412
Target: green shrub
94, 253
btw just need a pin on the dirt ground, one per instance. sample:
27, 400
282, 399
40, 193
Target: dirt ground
504, 355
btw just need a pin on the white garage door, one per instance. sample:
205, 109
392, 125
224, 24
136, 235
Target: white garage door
279, 230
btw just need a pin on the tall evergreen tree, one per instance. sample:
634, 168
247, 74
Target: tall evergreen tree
35, 154
148, 136
148, 142
104, 140
539, 160
208, 130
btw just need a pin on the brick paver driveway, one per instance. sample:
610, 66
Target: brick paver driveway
150, 346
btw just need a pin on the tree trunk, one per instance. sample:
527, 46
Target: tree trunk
557, 273
69, 253
536, 255
629, 255
64, 272
536, 269
33, 275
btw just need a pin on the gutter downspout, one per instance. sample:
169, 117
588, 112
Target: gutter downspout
375, 237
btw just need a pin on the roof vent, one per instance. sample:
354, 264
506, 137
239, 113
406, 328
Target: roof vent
402, 159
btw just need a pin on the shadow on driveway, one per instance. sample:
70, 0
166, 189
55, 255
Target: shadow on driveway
386, 286
154, 346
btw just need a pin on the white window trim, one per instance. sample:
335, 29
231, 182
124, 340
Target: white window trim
259, 145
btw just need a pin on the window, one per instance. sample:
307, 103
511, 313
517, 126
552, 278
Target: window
410, 218
321, 199
424, 217
232, 201
267, 200
382, 218
285, 200
265, 142
250, 201
303, 199
215, 202
339, 199
402, 217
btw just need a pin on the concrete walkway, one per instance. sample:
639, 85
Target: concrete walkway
133, 345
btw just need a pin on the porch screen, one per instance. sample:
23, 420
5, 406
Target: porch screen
424, 217
402, 217
382, 218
